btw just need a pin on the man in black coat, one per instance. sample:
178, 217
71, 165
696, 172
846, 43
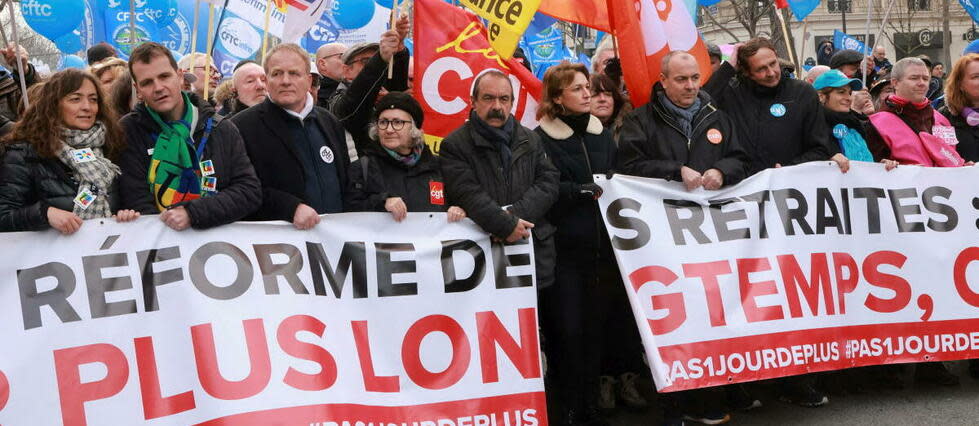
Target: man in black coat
498, 172
297, 147
365, 73
779, 120
228, 188
680, 135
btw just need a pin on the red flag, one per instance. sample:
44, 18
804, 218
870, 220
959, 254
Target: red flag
781, 4
590, 13
647, 30
451, 50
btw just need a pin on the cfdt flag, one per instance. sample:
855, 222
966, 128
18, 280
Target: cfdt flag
301, 15
451, 49
800, 8
647, 30
843, 40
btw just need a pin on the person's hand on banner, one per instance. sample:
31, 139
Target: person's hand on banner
65, 222
691, 179
126, 215
456, 213
176, 218
841, 161
889, 164
521, 231
589, 191
397, 207
305, 217
713, 180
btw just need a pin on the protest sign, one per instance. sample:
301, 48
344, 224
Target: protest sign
507, 21
360, 320
799, 269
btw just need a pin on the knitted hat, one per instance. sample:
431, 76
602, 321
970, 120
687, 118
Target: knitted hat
402, 101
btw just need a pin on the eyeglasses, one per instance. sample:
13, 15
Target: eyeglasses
214, 71
362, 61
395, 124
330, 56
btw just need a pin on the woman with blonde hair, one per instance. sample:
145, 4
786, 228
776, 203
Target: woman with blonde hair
962, 110
107, 71
56, 169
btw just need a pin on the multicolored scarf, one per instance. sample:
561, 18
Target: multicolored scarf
409, 160
96, 174
173, 170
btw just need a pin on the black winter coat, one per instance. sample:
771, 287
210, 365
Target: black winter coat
239, 192
577, 156
29, 184
967, 135
353, 104
387, 177
276, 158
797, 136
651, 144
475, 181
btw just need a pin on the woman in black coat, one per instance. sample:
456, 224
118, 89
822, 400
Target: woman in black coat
572, 311
56, 169
397, 172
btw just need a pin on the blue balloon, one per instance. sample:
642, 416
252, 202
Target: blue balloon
69, 43
176, 56
352, 14
387, 3
53, 18
72, 61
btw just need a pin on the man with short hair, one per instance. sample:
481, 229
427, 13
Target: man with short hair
908, 130
181, 160
714, 52
936, 87
365, 72
881, 63
200, 65
297, 147
249, 85
780, 120
815, 72
497, 171
604, 52
330, 68
680, 135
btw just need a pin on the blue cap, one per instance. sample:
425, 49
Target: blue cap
971, 48
835, 78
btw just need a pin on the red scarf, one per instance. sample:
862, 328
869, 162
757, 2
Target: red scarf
900, 102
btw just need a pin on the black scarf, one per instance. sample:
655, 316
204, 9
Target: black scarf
577, 122
500, 136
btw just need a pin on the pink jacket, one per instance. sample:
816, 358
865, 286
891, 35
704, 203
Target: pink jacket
935, 149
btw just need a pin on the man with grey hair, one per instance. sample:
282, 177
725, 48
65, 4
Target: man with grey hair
604, 52
297, 147
815, 72
908, 130
201, 66
249, 85
330, 67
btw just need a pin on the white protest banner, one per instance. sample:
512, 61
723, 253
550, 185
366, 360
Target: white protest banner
799, 269
360, 321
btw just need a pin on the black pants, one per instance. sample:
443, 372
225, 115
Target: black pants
570, 322
622, 349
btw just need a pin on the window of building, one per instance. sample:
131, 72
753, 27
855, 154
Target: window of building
836, 6
919, 4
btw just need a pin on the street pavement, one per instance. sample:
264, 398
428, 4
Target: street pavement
915, 405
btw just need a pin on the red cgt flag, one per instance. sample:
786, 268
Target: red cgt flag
451, 50
647, 30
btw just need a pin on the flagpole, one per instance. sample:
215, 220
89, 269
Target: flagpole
265, 30
20, 65
863, 63
193, 36
132, 25
394, 21
210, 42
217, 27
785, 33
802, 46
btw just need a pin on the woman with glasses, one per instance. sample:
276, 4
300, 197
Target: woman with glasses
398, 173
56, 170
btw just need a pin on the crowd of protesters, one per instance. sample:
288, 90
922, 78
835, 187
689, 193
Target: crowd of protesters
302, 135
